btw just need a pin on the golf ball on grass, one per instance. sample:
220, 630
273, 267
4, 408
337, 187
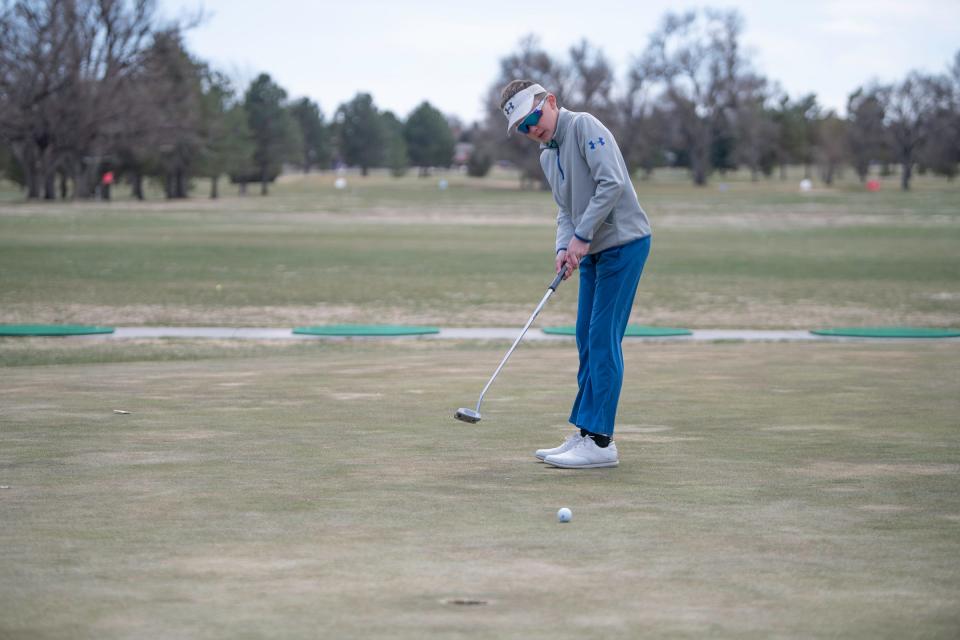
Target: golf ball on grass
564, 515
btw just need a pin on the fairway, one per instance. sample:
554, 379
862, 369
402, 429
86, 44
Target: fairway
324, 490
389, 251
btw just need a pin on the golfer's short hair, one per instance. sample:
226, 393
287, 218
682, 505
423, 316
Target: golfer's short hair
515, 87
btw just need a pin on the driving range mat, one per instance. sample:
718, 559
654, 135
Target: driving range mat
51, 330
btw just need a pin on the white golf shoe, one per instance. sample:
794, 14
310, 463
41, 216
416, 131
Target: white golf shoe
568, 444
586, 455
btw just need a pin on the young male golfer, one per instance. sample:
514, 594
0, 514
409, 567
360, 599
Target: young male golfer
603, 231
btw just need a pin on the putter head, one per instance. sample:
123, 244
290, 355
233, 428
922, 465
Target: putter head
467, 415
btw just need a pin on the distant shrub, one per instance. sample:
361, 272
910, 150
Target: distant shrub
479, 164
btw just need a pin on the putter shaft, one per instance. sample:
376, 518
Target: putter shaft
536, 312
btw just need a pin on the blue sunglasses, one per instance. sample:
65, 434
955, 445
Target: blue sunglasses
532, 119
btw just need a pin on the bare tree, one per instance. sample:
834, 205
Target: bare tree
531, 62
796, 138
634, 120
865, 132
696, 57
591, 82
910, 109
65, 68
34, 38
755, 129
941, 152
831, 150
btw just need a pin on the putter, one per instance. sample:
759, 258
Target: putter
473, 415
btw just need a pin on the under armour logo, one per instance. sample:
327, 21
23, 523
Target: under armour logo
509, 108
593, 145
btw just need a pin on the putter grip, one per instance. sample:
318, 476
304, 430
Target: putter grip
558, 279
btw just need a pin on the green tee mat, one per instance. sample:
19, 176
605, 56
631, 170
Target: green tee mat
633, 330
888, 332
365, 330
50, 330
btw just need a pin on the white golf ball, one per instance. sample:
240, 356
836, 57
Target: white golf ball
564, 515
340, 183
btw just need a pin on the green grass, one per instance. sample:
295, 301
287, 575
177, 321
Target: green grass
758, 255
325, 490
322, 488
22, 352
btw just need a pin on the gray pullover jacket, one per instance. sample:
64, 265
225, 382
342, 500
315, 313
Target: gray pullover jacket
591, 185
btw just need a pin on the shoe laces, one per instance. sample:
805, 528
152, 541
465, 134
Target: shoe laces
585, 441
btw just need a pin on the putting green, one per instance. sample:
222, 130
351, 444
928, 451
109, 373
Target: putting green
763, 491
365, 330
50, 330
888, 332
633, 330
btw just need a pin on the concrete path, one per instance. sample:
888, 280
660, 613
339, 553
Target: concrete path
506, 334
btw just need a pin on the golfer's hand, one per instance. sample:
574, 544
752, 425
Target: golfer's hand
576, 249
562, 264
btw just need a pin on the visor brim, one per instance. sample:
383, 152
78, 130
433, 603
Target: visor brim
520, 105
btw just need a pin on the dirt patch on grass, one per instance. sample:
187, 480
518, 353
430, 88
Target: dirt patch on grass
884, 508
271, 316
647, 434
174, 315
717, 312
355, 396
846, 470
944, 295
642, 428
167, 436
807, 427
813, 219
684, 215
634, 437
133, 458
455, 216
706, 313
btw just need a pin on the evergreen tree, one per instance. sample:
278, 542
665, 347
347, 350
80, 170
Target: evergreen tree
397, 157
228, 144
316, 144
429, 139
361, 139
273, 129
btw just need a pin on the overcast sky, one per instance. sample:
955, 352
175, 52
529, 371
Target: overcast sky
407, 51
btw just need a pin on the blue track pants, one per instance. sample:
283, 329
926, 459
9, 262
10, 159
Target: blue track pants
608, 284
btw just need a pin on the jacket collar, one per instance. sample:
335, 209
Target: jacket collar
563, 121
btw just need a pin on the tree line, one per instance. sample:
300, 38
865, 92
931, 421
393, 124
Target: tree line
691, 99
90, 88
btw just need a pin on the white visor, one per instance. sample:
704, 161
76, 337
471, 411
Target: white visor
520, 105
